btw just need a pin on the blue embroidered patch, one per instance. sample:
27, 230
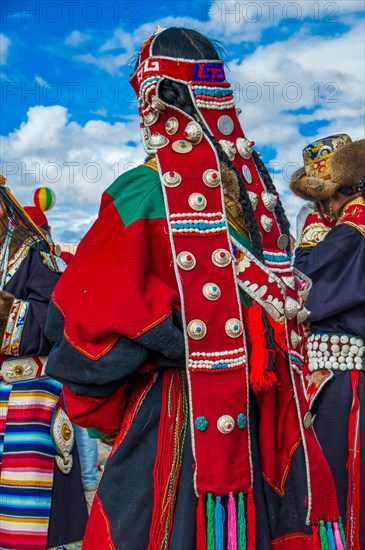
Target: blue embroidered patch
209, 72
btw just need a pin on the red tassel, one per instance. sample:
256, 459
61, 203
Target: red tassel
260, 377
251, 521
316, 543
201, 536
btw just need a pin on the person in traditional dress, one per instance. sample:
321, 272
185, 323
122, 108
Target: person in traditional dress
332, 253
42, 503
184, 339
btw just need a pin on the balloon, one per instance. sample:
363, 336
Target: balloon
44, 198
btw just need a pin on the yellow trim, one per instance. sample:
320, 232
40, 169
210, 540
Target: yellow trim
355, 227
151, 164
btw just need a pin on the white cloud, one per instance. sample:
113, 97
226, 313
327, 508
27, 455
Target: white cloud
4, 48
75, 38
43, 83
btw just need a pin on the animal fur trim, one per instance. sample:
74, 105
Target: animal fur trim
348, 164
6, 302
312, 189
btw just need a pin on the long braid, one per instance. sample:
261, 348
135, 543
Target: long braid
279, 209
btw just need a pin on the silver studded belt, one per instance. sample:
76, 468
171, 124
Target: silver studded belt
19, 369
335, 352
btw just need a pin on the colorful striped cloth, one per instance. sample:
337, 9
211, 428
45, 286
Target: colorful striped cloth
27, 467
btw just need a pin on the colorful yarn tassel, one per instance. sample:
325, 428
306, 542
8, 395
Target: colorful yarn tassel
342, 532
316, 545
251, 521
241, 523
337, 535
231, 523
201, 535
323, 535
210, 522
219, 524
331, 538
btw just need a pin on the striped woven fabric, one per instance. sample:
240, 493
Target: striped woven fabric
27, 462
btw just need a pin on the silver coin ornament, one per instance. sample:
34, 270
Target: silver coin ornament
225, 125
157, 141
247, 173
290, 282
157, 104
186, 260
303, 315
253, 199
308, 420
211, 178
283, 241
291, 308
211, 291
266, 223
150, 118
225, 424
193, 133
245, 147
197, 329
233, 328
221, 257
295, 339
269, 200
182, 146
171, 179
171, 126
197, 202
228, 147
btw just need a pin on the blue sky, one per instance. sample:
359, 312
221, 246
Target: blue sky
69, 115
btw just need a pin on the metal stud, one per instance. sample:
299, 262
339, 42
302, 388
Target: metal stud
291, 308
245, 147
302, 315
225, 125
197, 201
295, 339
197, 329
308, 420
266, 223
150, 118
290, 282
211, 291
233, 328
182, 146
157, 141
171, 179
221, 257
211, 178
225, 424
186, 261
282, 241
247, 173
228, 147
253, 199
172, 125
193, 133
157, 104
269, 200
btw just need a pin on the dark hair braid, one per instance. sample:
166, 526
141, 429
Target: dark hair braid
279, 209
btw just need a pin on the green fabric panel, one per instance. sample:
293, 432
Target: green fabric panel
136, 202
240, 238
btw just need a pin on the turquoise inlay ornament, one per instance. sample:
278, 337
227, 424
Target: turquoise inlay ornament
242, 421
201, 423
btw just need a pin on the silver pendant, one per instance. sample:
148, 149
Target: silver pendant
291, 308
157, 104
150, 118
228, 147
186, 261
197, 329
64, 438
171, 179
283, 241
269, 200
253, 199
225, 424
182, 146
295, 339
266, 223
244, 147
193, 133
302, 315
225, 125
211, 291
221, 257
289, 281
233, 328
172, 126
211, 178
247, 173
197, 201
157, 141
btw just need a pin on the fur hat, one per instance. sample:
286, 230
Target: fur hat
348, 164
313, 181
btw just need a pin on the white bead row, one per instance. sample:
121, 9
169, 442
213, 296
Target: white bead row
216, 353
194, 214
